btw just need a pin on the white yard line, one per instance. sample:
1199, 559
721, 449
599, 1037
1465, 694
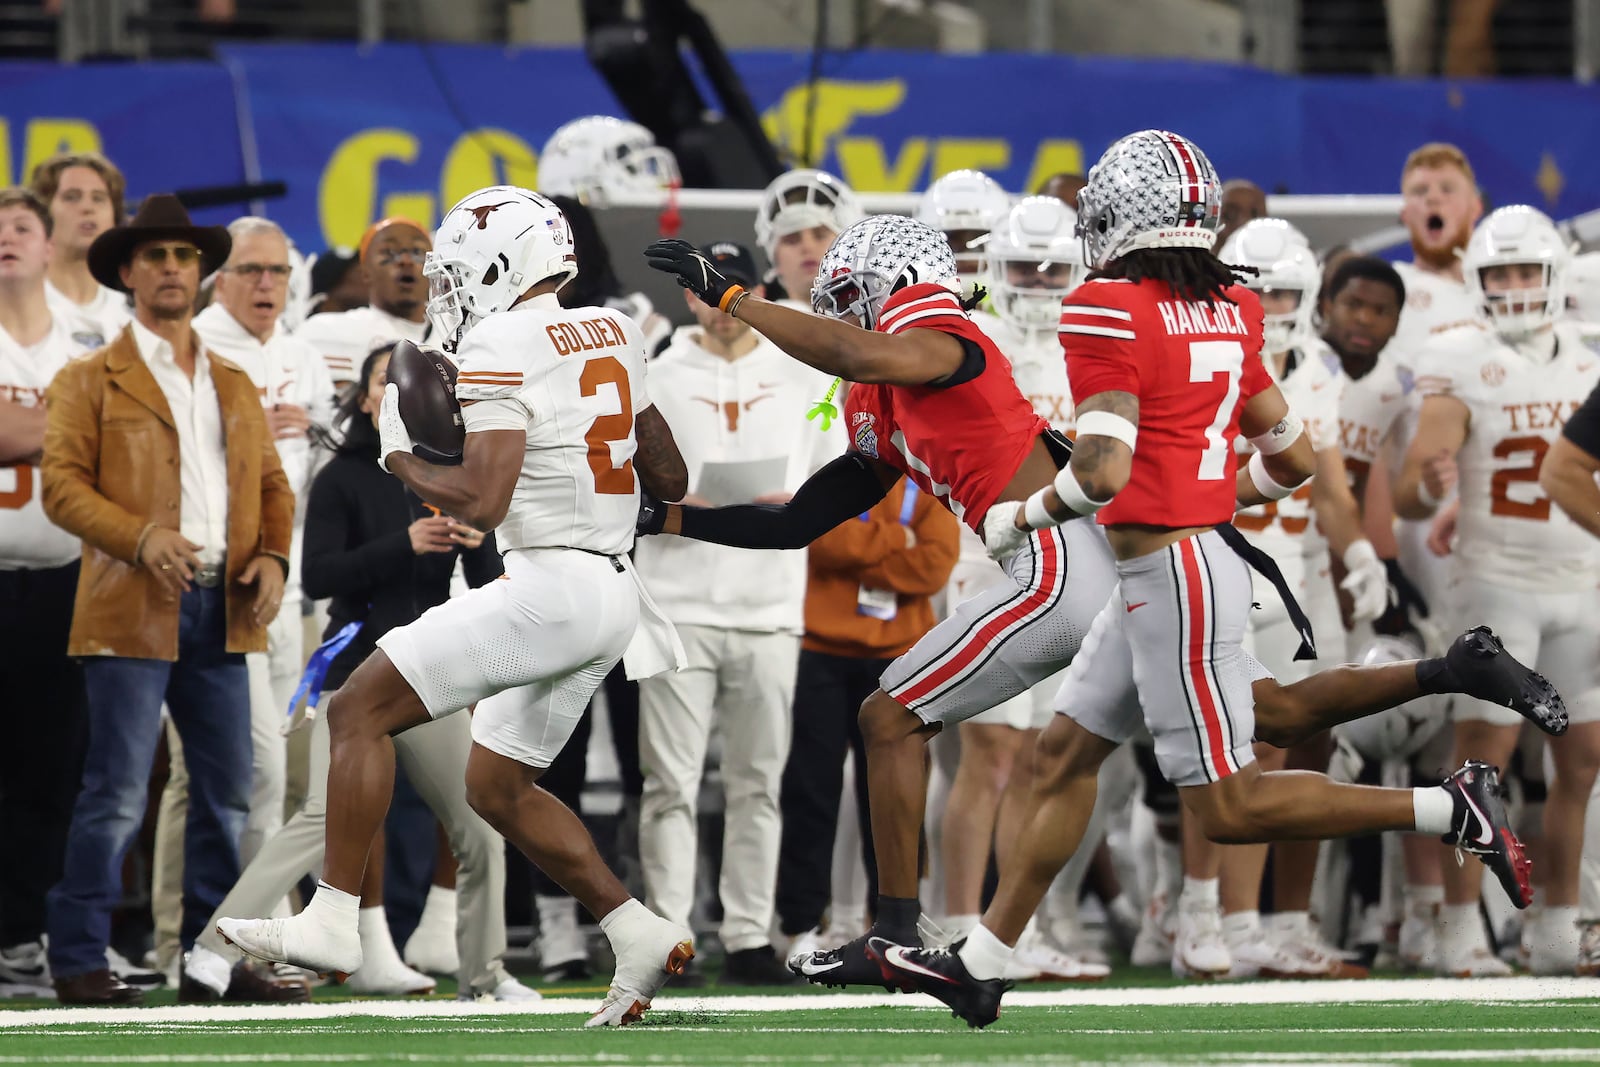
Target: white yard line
1430, 992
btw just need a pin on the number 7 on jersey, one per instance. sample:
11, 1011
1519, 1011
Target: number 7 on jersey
1207, 359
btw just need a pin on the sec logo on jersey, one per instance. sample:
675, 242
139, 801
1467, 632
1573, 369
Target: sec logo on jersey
1493, 374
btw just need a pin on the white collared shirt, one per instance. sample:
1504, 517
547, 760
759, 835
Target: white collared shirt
94, 324
202, 456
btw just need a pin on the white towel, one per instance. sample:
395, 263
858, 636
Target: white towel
656, 647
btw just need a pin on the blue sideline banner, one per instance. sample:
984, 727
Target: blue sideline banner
358, 133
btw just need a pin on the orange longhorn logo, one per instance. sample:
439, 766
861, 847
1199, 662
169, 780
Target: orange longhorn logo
482, 213
730, 408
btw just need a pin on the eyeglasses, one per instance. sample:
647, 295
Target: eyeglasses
254, 271
156, 255
388, 257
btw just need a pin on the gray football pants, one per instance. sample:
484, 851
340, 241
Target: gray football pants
434, 756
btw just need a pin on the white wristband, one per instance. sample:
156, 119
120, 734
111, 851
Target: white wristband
1036, 515
1265, 484
1073, 496
1280, 437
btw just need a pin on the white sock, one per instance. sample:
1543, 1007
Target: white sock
1292, 922
984, 955
1241, 925
556, 912
1201, 891
1433, 809
440, 908
628, 911
377, 944
1422, 901
332, 908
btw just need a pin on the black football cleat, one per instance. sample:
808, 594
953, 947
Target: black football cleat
940, 973
1479, 826
1480, 666
847, 965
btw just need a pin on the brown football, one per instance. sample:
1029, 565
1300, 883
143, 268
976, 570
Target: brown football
428, 406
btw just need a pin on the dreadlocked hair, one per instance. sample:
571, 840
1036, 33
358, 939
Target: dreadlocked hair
1191, 273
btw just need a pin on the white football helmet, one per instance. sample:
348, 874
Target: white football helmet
1286, 264
876, 257
1583, 287
1152, 189
1031, 261
800, 199
599, 158
1401, 731
964, 205
1515, 235
492, 247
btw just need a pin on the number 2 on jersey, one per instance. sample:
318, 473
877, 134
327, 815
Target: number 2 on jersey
1207, 359
609, 479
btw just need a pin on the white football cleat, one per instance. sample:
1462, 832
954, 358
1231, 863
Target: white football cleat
1152, 946
1045, 962
304, 943
508, 990
1198, 950
431, 948
1259, 955
649, 950
389, 979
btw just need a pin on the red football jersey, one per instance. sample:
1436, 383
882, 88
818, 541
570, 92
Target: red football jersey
963, 443
1192, 365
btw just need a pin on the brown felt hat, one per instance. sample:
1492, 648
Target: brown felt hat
161, 218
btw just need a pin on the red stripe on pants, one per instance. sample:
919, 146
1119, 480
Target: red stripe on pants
1049, 563
1199, 656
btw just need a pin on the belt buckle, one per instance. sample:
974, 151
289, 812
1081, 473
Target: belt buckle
209, 576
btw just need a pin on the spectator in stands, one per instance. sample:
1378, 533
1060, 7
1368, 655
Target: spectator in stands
391, 255
1064, 187
38, 579
1241, 201
868, 600
157, 455
84, 193
737, 407
337, 282
242, 325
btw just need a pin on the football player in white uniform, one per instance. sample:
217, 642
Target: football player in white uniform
84, 194
1296, 532
558, 422
801, 212
964, 205
1441, 207
1495, 396
38, 579
392, 251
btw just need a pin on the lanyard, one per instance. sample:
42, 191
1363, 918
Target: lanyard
907, 506
310, 686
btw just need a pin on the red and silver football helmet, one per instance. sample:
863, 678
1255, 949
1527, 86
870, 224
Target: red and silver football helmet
875, 258
1152, 189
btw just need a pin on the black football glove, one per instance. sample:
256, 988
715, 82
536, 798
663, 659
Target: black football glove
652, 515
1406, 603
693, 271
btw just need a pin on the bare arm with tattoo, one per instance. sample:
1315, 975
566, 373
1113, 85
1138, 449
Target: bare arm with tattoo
662, 471
1102, 465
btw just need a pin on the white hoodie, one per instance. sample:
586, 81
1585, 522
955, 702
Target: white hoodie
286, 370
749, 409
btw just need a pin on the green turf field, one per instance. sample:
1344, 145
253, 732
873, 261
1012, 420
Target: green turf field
1506, 1021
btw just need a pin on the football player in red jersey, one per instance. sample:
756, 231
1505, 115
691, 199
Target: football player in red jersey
1163, 352
934, 401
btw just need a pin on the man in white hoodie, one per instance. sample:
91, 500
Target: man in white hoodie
737, 406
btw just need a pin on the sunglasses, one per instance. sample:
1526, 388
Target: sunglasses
183, 255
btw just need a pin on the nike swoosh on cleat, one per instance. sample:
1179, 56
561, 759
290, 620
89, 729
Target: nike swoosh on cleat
897, 958
813, 967
1485, 829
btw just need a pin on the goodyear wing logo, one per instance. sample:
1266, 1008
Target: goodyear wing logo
838, 105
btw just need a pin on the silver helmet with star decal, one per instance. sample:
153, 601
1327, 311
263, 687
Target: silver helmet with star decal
875, 258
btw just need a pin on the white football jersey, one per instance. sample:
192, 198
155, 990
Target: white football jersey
577, 377
1434, 303
90, 325
1519, 399
27, 538
344, 339
1312, 388
1370, 408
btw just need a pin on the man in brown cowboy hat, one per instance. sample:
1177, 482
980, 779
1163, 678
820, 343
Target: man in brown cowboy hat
157, 455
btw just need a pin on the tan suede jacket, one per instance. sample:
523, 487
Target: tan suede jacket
110, 473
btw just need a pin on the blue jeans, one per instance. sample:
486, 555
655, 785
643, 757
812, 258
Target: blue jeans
207, 692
